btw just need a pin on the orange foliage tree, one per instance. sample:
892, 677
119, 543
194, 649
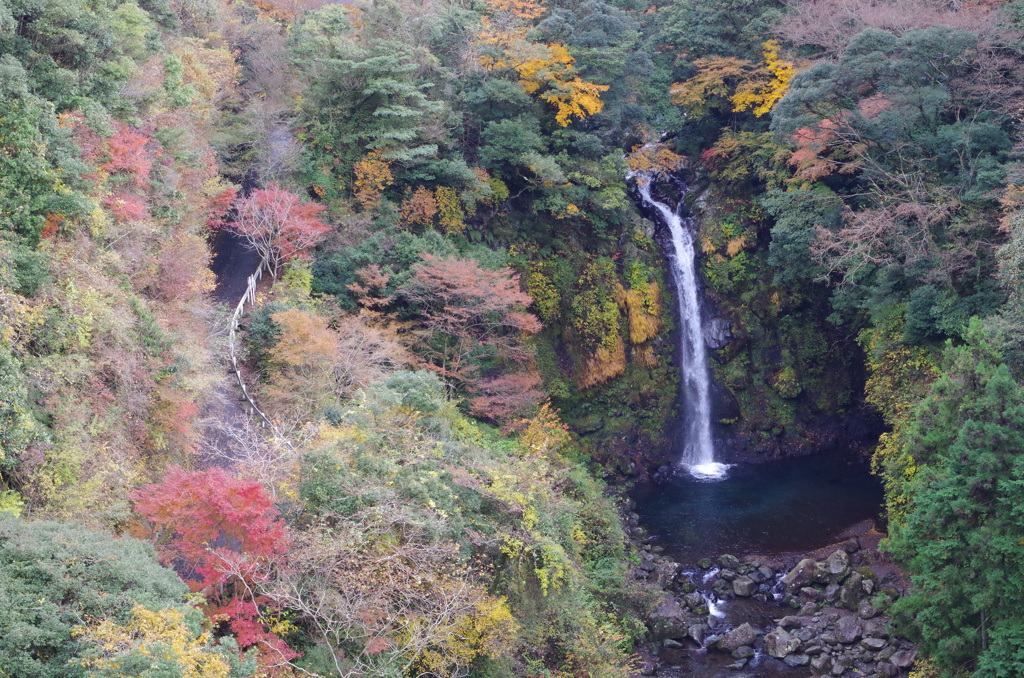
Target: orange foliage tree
420, 208
372, 176
471, 315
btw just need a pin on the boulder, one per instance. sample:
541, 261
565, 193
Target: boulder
728, 561
831, 593
795, 621
669, 619
743, 652
904, 658
865, 610
833, 569
848, 630
743, 634
780, 643
744, 586
800, 576
809, 595
694, 600
851, 545
819, 663
850, 592
886, 670
795, 660
873, 644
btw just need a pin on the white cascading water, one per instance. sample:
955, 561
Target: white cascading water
699, 448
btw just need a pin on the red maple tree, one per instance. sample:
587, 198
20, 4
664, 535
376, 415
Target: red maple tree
202, 519
279, 225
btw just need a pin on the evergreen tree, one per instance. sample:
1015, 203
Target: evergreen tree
962, 537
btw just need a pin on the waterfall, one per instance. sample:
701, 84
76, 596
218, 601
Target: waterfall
699, 449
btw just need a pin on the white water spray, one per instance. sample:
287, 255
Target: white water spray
699, 450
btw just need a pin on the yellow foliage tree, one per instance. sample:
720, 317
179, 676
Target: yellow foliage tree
728, 80
762, 92
449, 210
166, 638
545, 70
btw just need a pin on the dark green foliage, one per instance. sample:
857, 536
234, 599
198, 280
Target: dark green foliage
55, 578
915, 106
798, 215
392, 251
702, 29
962, 537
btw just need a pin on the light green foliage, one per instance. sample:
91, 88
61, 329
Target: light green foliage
551, 542
18, 428
57, 578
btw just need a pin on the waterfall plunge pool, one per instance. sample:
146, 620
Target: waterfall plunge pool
776, 507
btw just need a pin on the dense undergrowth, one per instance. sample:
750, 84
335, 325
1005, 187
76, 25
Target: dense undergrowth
465, 321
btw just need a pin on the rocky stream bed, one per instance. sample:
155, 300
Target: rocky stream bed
740, 618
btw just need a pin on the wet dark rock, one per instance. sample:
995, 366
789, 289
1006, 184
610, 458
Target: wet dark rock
848, 630
717, 333
705, 563
728, 561
693, 600
669, 619
743, 652
850, 593
744, 586
698, 633
795, 660
851, 545
672, 644
820, 662
780, 643
727, 575
743, 634
904, 658
800, 576
831, 593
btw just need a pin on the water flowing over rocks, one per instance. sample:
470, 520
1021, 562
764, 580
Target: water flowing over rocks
731, 618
